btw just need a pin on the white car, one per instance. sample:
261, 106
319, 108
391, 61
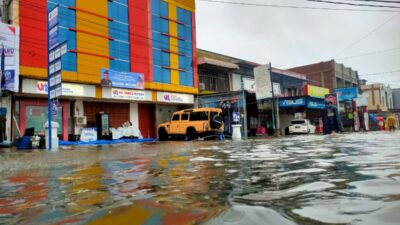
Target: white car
301, 126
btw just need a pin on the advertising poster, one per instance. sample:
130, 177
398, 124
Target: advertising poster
316, 92
332, 98
347, 94
9, 49
111, 78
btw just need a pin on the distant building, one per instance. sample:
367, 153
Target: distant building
329, 74
362, 82
396, 99
380, 97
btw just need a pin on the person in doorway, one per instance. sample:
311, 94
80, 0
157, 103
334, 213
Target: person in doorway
106, 79
391, 123
331, 119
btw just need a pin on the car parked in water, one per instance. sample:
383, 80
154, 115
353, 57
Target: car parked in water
192, 123
301, 126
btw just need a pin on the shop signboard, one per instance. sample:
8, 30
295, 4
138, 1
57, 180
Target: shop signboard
129, 80
285, 103
53, 37
262, 75
277, 89
362, 100
127, 94
316, 92
9, 49
346, 94
175, 98
315, 104
53, 17
68, 89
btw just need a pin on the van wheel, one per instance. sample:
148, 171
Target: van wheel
191, 134
162, 134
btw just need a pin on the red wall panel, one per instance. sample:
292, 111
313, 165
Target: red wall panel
33, 38
140, 38
146, 120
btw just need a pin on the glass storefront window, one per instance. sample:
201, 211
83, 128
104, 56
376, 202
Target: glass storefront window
36, 116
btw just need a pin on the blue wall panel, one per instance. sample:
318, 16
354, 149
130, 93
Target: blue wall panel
160, 42
119, 30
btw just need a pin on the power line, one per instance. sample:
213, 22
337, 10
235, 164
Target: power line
354, 4
298, 7
369, 53
369, 33
381, 73
380, 1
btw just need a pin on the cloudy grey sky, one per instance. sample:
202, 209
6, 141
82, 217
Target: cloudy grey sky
295, 37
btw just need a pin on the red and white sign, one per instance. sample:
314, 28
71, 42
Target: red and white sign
126, 94
175, 98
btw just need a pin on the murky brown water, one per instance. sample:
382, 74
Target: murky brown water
343, 179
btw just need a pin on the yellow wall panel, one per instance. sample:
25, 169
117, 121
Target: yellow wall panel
171, 88
33, 72
173, 44
184, 4
90, 65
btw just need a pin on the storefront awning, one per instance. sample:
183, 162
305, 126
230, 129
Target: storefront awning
215, 62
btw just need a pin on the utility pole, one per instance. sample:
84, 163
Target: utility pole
273, 98
275, 107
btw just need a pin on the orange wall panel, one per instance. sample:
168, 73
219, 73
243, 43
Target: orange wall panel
90, 65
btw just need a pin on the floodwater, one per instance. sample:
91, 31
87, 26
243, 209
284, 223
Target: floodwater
338, 179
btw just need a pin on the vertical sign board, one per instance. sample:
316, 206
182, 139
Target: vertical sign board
262, 75
55, 51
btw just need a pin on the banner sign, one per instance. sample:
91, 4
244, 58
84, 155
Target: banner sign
88, 134
315, 104
9, 50
316, 92
284, 103
111, 78
346, 94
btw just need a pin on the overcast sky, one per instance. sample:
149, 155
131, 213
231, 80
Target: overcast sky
295, 37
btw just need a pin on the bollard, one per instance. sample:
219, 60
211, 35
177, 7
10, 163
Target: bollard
54, 138
236, 134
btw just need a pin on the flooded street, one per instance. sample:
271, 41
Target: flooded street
339, 179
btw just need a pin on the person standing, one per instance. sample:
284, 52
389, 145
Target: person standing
331, 119
391, 123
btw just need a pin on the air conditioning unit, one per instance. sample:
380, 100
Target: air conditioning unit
202, 86
80, 120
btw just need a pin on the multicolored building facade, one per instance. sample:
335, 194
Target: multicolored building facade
155, 38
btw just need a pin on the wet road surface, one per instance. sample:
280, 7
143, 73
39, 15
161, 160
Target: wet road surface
339, 179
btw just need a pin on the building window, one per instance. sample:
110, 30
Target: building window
214, 80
